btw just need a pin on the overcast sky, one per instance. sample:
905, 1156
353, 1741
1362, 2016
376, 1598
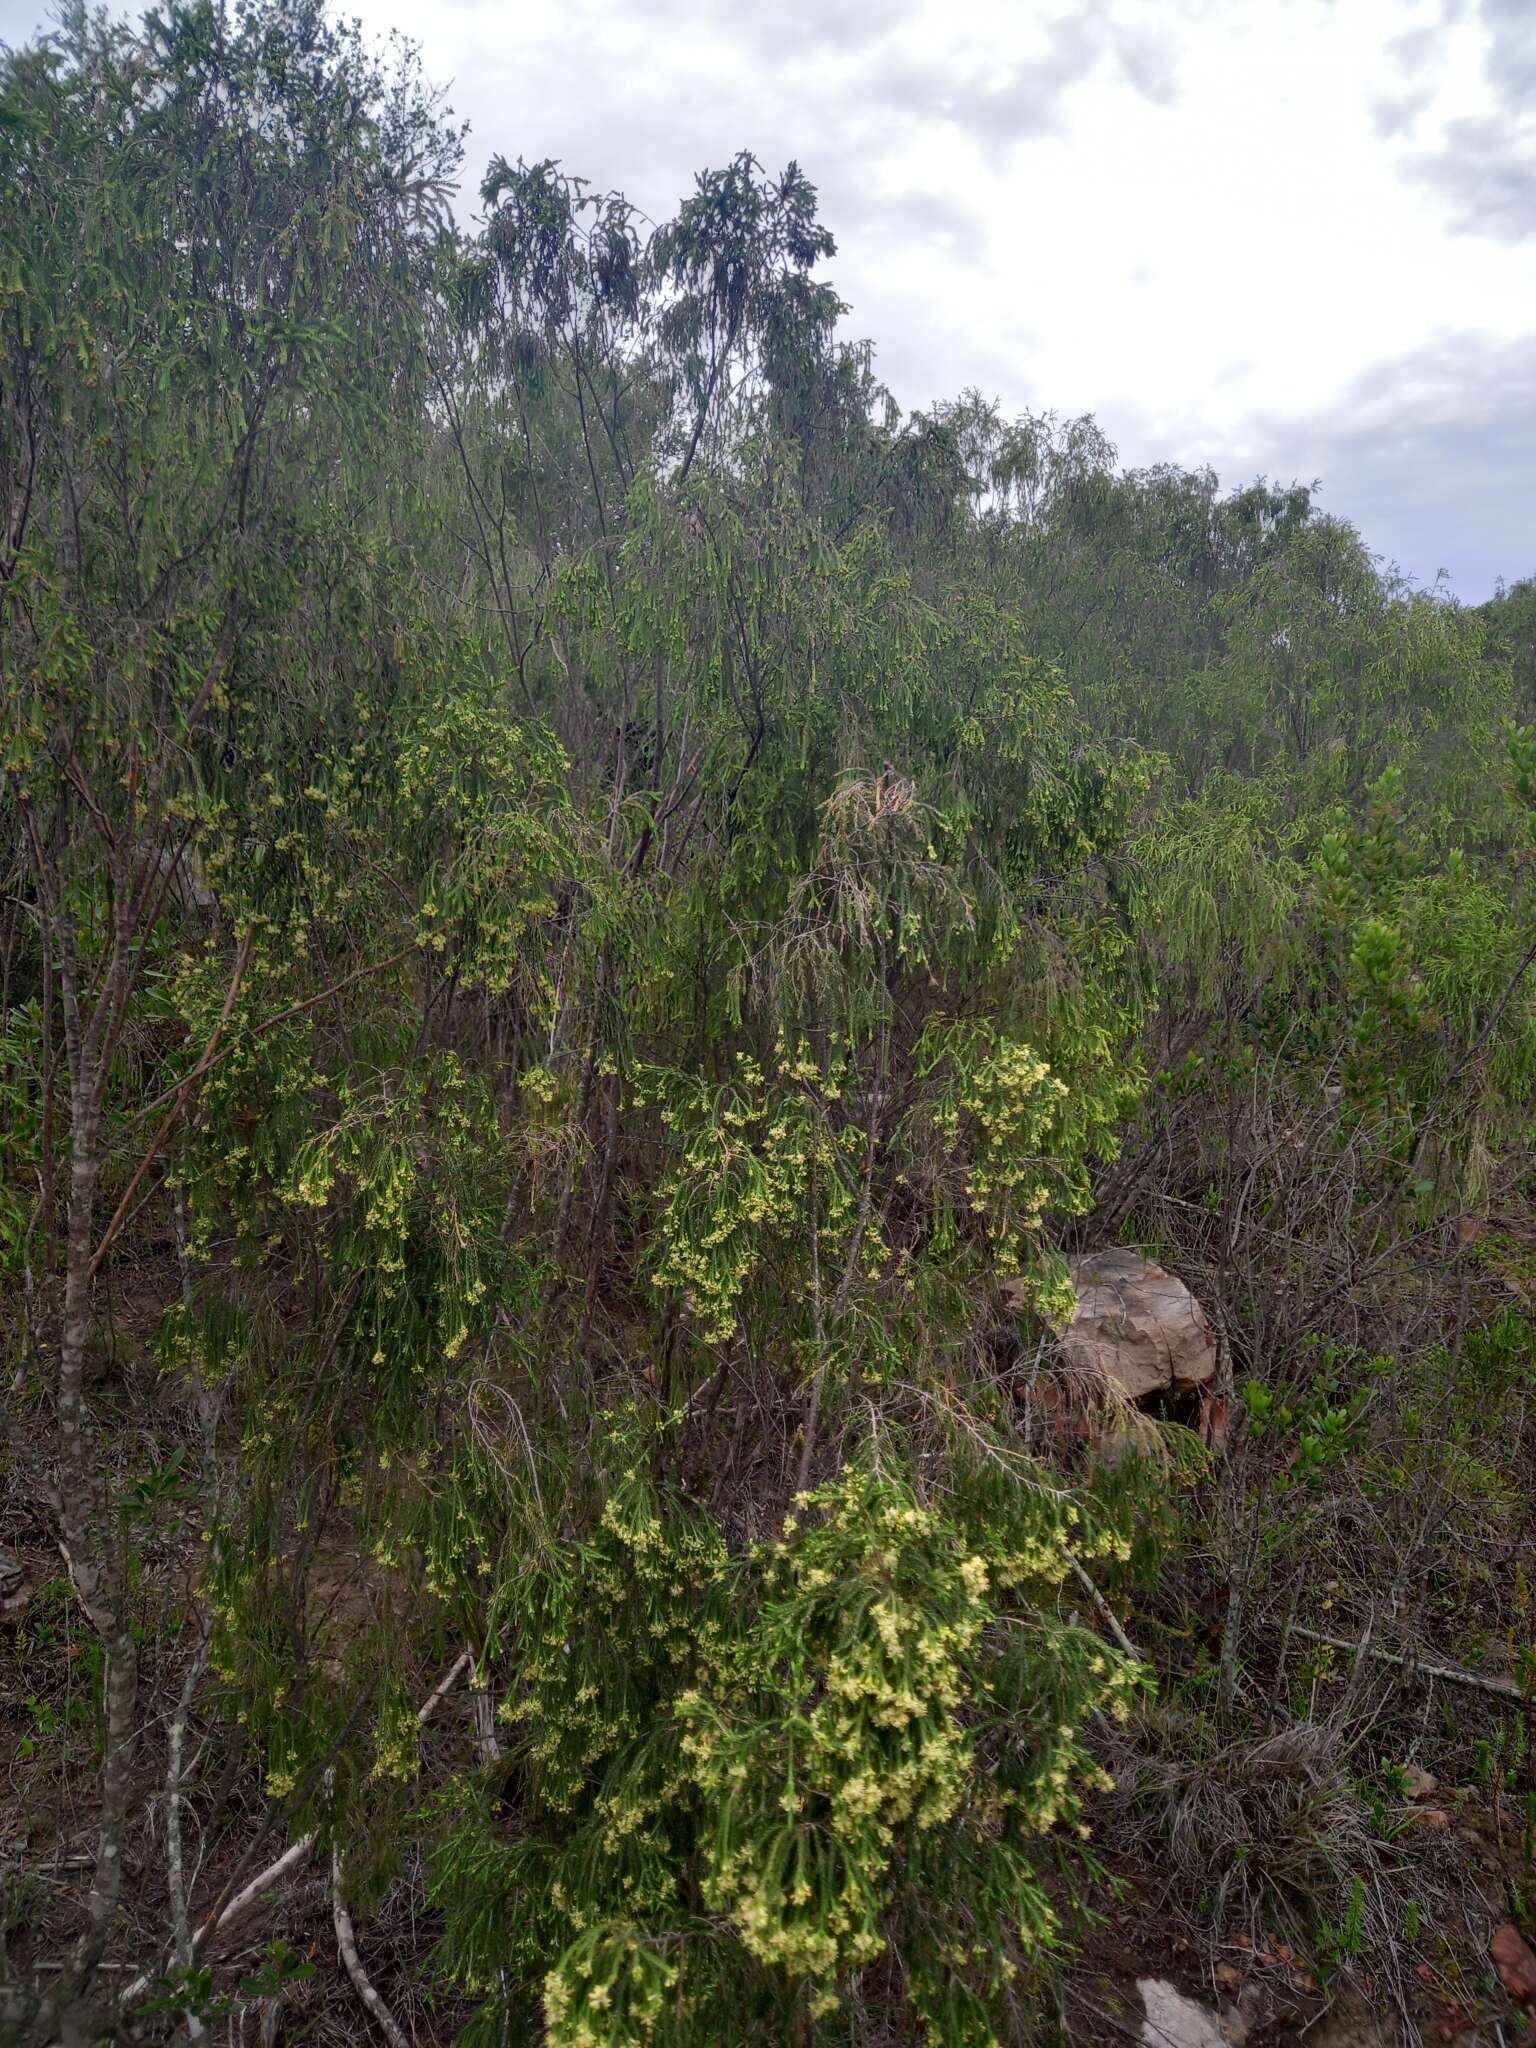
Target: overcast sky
1295, 237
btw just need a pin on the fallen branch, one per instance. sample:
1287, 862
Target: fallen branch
362, 1983
293, 1858
1420, 1667
435, 1698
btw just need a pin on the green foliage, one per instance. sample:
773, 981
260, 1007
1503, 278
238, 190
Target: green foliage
578, 893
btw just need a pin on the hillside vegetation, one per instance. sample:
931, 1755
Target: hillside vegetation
579, 891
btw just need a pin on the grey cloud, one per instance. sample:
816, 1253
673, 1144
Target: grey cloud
1430, 455
1437, 473
1148, 63
648, 131
994, 106
998, 105
1414, 51
1485, 171
927, 349
1484, 168
791, 27
1510, 62
841, 96
935, 217
1395, 114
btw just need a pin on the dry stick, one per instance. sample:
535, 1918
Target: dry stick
293, 1858
487, 1744
362, 1984
486, 1740
1102, 1607
181, 1934
1453, 1674
440, 1692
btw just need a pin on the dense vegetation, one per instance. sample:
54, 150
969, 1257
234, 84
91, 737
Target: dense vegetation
578, 892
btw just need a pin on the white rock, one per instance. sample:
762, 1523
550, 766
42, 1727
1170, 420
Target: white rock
1174, 2021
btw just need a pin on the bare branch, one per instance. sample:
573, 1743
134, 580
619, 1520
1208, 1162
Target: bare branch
362, 1983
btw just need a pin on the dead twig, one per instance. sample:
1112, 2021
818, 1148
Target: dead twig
1419, 1667
1101, 1606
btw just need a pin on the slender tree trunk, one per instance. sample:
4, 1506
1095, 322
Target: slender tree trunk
90, 1551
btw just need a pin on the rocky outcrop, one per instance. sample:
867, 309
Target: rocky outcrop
1136, 1327
1515, 1962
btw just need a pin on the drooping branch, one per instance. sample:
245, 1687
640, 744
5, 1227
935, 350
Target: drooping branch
190, 1081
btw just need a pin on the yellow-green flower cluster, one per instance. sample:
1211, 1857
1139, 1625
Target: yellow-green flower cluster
623, 1610
610, 1986
1011, 1100
793, 1738
757, 1164
857, 1731
396, 1747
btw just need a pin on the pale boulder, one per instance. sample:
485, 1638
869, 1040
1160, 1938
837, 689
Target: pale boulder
1174, 2021
1136, 1328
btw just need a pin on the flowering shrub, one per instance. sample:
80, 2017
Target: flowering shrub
745, 1768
